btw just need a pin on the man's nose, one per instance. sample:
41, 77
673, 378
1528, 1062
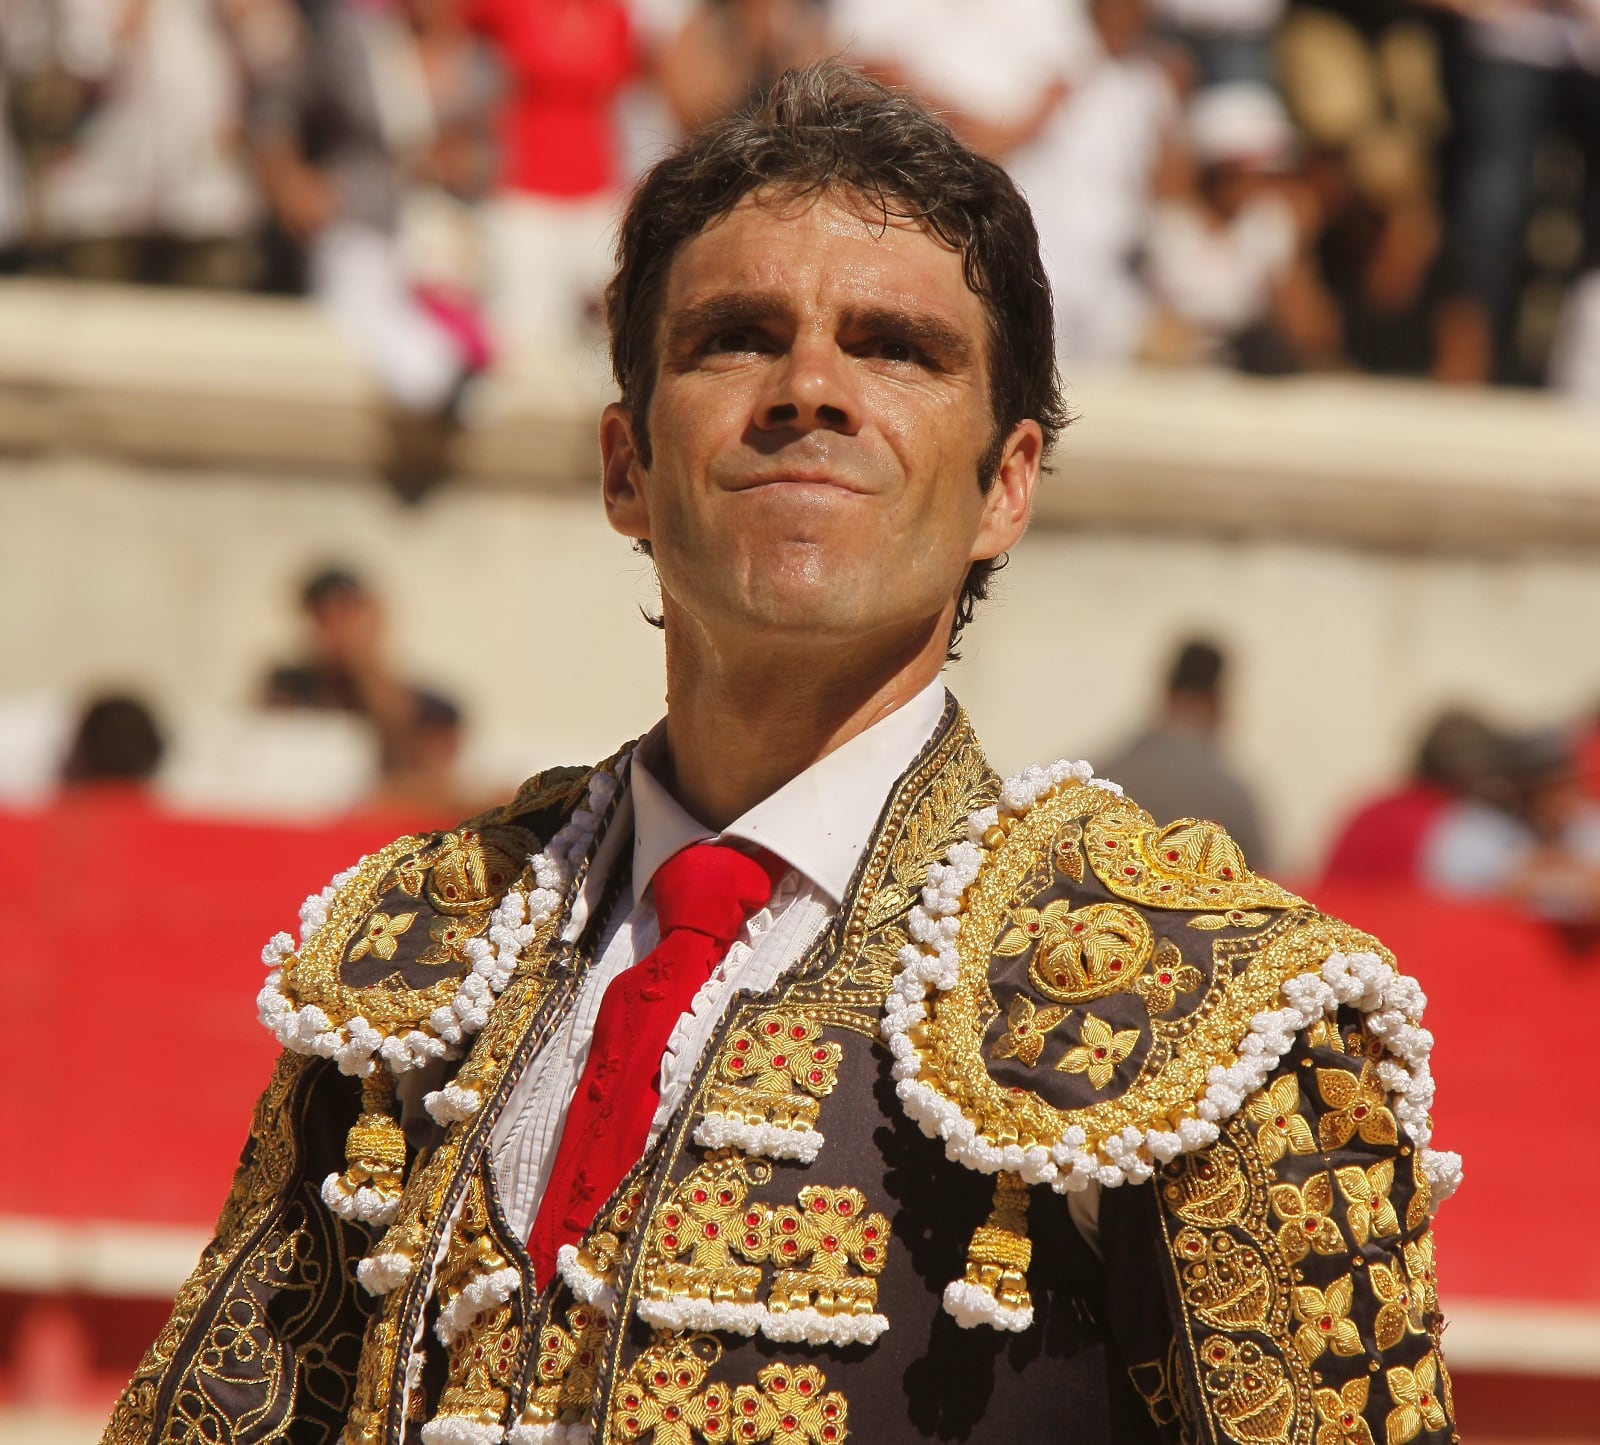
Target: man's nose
810, 389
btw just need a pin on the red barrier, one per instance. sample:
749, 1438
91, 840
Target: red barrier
131, 962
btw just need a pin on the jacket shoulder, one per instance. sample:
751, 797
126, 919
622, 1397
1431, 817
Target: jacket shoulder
1092, 993
400, 956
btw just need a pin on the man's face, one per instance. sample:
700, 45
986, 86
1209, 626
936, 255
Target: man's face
820, 408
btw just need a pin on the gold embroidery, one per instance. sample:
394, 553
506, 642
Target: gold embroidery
1161, 1382
661, 1399
829, 1233
706, 1220
474, 866
1325, 1319
1421, 1196
1324, 1034
1339, 1413
1419, 1269
1026, 1028
1233, 918
1081, 955
1169, 976
381, 936
1283, 1129
1249, 1391
567, 1368
1398, 1309
1225, 1280
1100, 1051
1187, 864
789, 1405
375, 1149
1207, 1189
1370, 1213
775, 1071
1068, 851
1306, 1222
1000, 1251
1356, 1106
1417, 1406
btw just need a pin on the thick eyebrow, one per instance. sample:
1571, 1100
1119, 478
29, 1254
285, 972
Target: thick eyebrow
728, 312
941, 339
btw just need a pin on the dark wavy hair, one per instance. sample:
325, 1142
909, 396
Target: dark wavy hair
829, 128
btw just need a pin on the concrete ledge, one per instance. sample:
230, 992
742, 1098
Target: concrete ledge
182, 377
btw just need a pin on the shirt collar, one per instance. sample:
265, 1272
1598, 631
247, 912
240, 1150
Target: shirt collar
817, 822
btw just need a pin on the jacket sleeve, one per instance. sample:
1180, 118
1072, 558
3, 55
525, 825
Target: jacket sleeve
264, 1336
1279, 1284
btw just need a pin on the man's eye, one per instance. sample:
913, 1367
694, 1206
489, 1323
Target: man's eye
889, 348
729, 342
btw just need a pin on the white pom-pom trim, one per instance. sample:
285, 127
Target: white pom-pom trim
587, 1288
512, 926
459, 1430
381, 1273
970, 1306
809, 1327
452, 1104
802, 1326
770, 1141
365, 1206
550, 1434
683, 1313
1392, 1003
477, 1297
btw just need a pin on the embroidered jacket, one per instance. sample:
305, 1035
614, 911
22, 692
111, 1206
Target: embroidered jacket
858, 1222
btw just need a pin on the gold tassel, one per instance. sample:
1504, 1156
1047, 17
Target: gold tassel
994, 1290
375, 1154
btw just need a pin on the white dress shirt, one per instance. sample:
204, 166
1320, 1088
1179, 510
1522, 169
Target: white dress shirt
818, 823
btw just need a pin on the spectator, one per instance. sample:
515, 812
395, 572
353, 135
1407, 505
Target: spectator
1088, 177
155, 185
1384, 841
1230, 250
347, 671
117, 740
995, 73
1229, 41
1176, 769
424, 784
1539, 846
399, 97
550, 224
726, 53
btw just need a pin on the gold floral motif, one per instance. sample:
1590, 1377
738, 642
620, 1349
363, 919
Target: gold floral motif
661, 1400
1356, 1105
381, 936
568, 1365
1026, 1028
696, 1232
1417, 1406
1324, 1034
776, 1070
1168, 977
1325, 1322
1187, 864
790, 1405
1224, 1279
1100, 1051
1067, 851
1307, 1224
1421, 1196
1282, 1129
1249, 1390
1399, 1310
1233, 918
473, 866
1081, 955
818, 1244
1340, 1414
1370, 1213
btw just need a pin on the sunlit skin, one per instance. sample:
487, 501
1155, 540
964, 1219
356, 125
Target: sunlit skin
812, 501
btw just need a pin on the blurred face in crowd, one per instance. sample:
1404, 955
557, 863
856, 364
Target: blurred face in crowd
1120, 25
349, 626
820, 410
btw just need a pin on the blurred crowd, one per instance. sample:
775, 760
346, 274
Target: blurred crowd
1392, 186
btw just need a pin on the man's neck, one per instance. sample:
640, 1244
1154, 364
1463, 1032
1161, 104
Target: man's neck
743, 721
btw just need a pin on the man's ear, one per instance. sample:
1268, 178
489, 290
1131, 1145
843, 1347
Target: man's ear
1009, 502
623, 475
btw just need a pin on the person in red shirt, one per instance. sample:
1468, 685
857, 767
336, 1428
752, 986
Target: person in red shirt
1383, 841
565, 63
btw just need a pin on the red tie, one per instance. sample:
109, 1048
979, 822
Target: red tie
703, 896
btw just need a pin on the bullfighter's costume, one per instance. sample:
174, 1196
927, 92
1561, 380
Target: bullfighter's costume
1042, 1122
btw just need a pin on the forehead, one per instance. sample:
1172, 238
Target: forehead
829, 250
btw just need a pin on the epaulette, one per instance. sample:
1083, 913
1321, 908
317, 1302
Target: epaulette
401, 958
1090, 995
